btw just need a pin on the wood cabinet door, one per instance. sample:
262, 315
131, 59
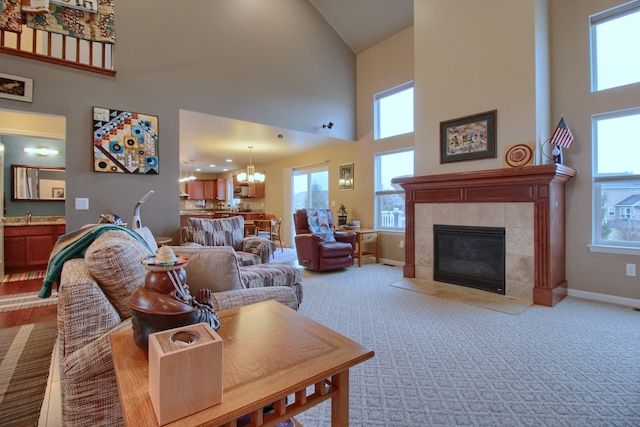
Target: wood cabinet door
195, 189
221, 189
209, 186
15, 251
39, 248
256, 190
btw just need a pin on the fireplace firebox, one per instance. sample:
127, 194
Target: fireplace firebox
470, 256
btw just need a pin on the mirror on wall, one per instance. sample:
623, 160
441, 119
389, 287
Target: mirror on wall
38, 183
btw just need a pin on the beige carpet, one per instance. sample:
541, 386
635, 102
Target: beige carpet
284, 255
501, 303
441, 363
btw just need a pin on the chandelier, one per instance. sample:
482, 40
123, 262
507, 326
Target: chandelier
187, 176
250, 175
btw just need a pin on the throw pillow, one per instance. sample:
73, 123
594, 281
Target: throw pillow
113, 260
210, 267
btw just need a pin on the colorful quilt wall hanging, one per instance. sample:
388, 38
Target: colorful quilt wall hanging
11, 16
124, 142
78, 23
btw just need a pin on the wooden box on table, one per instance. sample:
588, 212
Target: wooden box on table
185, 371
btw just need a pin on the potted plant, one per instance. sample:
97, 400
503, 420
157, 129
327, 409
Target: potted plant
342, 215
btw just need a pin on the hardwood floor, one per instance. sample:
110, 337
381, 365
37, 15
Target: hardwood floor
9, 319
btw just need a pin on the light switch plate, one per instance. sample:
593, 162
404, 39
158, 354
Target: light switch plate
82, 204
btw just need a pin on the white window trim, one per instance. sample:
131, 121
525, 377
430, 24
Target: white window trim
600, 18
377, 220
597, 245
376, 111
622, 250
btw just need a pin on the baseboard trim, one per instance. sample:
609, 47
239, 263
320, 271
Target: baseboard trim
391, 262
631, 302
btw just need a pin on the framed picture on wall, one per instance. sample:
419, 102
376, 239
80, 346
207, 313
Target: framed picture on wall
57, 193
125, 142
16, 87
468, 138
346, 176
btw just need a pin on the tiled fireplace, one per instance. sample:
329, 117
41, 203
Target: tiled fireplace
528, 202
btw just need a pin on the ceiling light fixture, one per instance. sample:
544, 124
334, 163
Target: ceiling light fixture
188, 177
41, 151
250, 175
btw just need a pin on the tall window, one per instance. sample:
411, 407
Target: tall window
393, 111
616, 178
615, 51
311, 188
389, 198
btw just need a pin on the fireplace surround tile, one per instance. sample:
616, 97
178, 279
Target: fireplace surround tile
519, 243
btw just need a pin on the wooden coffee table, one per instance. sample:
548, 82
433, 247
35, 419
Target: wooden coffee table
270, 352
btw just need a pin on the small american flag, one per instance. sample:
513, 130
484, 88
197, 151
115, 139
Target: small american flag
562, 136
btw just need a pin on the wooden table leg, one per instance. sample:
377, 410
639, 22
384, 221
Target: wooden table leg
340, 402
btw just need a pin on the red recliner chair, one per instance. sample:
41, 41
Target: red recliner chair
319, 246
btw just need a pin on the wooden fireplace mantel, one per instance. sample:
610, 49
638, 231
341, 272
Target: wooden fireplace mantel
543, 185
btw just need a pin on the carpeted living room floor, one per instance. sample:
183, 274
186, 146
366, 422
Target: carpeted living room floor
444, 363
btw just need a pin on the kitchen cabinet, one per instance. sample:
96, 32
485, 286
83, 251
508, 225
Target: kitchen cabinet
29, 246
195, 189
209, 186
221, 189
256, 190
207, 189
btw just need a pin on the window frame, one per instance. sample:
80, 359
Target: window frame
601, 18
308, 171
377, 192
600, 216
376, 109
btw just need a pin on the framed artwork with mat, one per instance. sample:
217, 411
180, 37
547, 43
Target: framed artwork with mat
124, 142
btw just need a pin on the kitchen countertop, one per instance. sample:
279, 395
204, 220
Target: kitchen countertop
12, 221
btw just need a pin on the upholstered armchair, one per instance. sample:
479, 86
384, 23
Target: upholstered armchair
319, 246
229, 231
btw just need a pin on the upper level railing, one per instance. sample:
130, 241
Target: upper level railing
59, 49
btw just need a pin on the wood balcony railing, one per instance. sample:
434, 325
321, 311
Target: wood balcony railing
58, 49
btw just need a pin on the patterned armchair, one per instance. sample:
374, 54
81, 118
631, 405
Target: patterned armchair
318, 245
250, 250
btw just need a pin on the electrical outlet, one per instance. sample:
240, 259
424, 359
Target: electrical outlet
631, 270
401, 244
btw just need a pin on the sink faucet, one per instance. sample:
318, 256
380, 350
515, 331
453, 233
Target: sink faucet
28, 217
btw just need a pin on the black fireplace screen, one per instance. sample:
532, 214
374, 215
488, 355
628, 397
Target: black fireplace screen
470, 256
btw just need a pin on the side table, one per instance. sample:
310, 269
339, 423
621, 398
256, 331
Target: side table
315, 368
369, 237
162, 240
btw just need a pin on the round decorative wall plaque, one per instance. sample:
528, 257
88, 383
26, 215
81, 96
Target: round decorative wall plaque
518, 155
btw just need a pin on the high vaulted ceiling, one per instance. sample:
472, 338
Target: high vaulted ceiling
364, 23
209, 140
